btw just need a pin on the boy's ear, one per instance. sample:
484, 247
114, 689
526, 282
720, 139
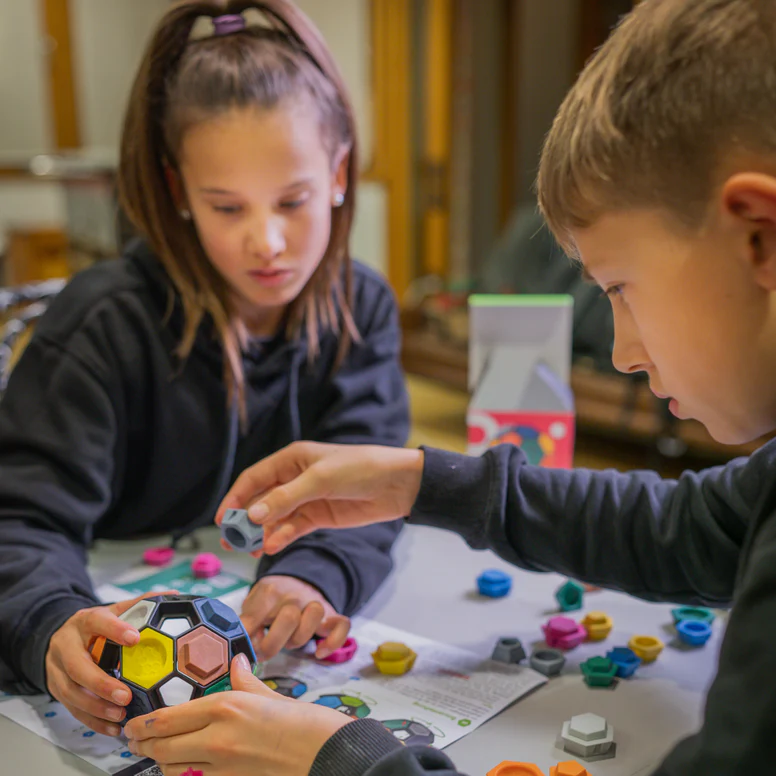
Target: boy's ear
750, 199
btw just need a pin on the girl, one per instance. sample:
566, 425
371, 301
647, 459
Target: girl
234, 325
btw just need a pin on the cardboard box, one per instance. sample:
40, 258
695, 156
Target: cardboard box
519, 375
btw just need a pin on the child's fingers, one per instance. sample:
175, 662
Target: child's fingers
312, 617
280, 632
335, 631
173, 721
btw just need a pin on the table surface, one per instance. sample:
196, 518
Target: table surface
432, 593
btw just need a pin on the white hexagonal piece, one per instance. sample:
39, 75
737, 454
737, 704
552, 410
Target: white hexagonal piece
587, 735
175, 691
402, 734
240, 533
139, 615
175, 626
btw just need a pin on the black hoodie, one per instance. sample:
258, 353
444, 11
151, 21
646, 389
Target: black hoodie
105, 434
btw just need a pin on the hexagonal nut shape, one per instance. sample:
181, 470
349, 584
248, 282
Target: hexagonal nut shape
626, 661
394, 658
509, 768
158, 556
508, 650
570, 596
646, 647
549, 662
206, 565
598, 625
587, 735
695, 633
693, 613
240, 533
569, 768
203, 655
344, 653
599, 672
494, 583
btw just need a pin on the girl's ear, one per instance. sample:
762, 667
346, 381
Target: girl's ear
340, 167
175, 185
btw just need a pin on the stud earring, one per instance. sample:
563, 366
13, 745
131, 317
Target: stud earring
338, 199
186, 214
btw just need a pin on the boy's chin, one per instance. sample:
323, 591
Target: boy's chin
727, 433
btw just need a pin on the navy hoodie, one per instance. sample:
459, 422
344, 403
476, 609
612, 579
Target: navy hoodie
104, 433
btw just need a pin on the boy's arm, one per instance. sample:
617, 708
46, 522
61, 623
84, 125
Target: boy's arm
366, 748
366, 403
676, 540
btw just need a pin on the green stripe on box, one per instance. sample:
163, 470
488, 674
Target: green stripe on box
520, 300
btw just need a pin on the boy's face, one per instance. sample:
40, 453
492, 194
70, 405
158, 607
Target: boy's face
691, 311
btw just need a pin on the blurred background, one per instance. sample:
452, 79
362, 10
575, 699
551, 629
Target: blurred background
453, 99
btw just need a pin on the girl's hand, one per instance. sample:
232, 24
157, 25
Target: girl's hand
83, 688
246, 731
294, 612
307, 486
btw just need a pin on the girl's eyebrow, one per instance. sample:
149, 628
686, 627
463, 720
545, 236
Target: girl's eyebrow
295, 185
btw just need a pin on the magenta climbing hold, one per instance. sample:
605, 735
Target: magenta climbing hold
563, 633
344, 653
158, 556
206, 565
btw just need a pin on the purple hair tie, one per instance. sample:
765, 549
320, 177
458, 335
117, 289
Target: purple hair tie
228, 23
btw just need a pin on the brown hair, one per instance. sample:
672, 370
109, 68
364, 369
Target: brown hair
678, 87
182, 81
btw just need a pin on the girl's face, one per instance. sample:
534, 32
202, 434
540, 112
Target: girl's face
260, 186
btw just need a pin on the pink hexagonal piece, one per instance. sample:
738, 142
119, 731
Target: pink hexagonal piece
203, 655
158, 556
206, 565
344, 653
563, 633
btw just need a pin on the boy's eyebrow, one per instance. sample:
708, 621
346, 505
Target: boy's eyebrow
295, 185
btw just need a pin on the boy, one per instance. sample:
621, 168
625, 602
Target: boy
659, 174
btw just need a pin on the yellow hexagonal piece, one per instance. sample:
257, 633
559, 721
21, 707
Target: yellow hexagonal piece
149, 661
646, 647
393, 657
598, 625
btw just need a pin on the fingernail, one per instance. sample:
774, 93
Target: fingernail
121, 696
258, 511
322, 653
114, 713
243, 663
114, 730
131, 637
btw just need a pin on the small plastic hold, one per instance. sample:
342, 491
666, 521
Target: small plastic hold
569, 768
692, 613
563, 633
158, 556
508, 650
570, 596
240, 533
694, 632
344, 653
626, 660
549, 662
394, 658
598, 625
203, 655
206, 565
587, 735
599, 672
494, 583
509, 768
149, 661
646, 647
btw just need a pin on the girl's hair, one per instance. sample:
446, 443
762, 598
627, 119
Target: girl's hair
184, 80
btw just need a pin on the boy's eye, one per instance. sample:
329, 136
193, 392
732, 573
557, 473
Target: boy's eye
614, 291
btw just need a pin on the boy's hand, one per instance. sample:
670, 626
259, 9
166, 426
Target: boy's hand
89, 694
294, 612
244, 732
308, 486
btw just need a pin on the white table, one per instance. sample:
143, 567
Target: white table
432, 593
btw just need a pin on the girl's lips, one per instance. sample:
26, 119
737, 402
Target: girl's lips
270, 277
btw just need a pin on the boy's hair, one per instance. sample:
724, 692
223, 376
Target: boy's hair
183, 80
679, 87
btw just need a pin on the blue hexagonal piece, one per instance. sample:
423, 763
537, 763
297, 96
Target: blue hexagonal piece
240, 533
626, 660
694, 632
220, 617
494, 583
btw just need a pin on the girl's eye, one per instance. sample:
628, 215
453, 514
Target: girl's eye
292, 204
228, 209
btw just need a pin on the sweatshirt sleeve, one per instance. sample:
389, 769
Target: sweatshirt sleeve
661, 540
366, 403
57, 439
366, 748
